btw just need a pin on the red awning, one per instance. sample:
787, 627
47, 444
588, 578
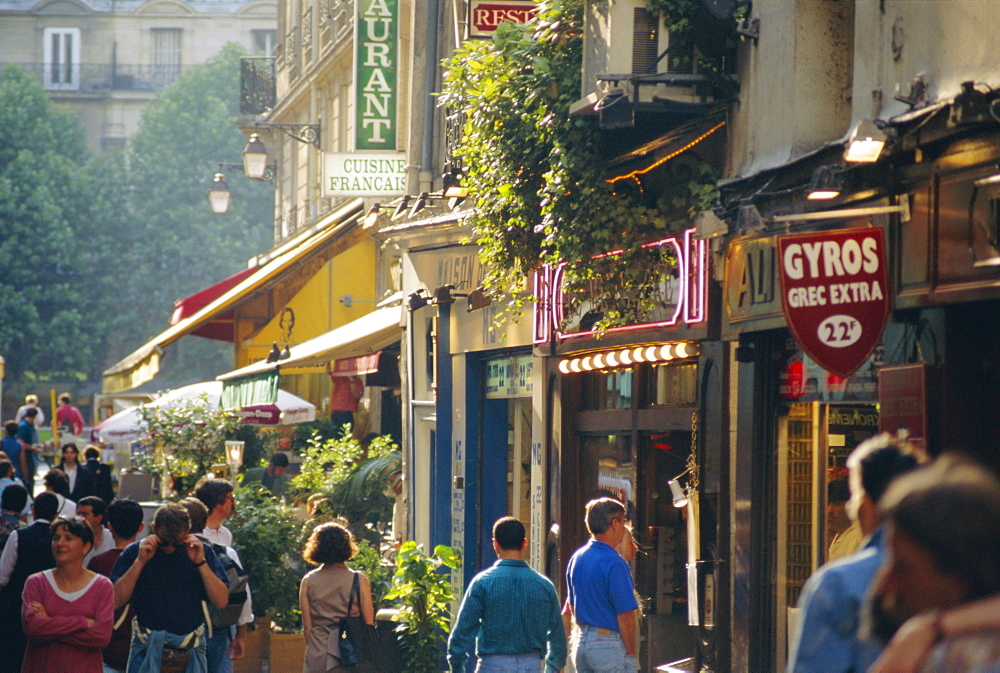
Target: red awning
356, 366
219, 328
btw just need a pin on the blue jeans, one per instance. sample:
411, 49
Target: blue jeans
601, 651
216, 651
510, 663
146, 657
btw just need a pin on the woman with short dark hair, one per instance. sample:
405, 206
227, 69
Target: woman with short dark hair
325, 594
67, 611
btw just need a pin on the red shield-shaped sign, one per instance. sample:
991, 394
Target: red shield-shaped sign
835, 294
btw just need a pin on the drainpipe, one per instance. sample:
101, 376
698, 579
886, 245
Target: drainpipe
441, 484
426, 177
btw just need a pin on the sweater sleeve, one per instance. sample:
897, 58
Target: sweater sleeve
555, 660
52, 627
470, 616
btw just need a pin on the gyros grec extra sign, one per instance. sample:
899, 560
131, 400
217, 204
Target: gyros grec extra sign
835, 294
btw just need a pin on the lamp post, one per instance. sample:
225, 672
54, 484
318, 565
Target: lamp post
234, 457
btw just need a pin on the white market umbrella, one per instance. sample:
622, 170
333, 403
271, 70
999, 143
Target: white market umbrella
127, 426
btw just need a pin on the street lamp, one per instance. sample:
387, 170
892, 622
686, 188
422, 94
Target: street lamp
255, 158
234, 457
219, 195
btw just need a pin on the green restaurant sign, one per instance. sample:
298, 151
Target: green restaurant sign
376, 67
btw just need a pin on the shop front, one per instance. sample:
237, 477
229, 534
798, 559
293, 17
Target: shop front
628, 413
824, 358
475, 455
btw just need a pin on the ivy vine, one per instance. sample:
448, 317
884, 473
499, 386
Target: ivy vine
541, 192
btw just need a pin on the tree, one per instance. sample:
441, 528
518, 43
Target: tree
54, 220
174, 245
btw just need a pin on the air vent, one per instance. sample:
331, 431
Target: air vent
645, 40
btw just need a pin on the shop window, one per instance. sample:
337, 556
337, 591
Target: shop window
673, 385
607, 390
607, 469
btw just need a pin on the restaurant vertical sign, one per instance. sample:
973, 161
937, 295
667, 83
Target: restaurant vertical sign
835, 294
376, 65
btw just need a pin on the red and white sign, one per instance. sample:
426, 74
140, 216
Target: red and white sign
835, 294
485, 16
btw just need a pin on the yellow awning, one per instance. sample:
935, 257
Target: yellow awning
367, 334
143, 364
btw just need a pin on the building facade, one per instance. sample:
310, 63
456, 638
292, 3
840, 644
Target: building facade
104, 61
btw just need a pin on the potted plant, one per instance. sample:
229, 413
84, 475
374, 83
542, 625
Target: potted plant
424, 596
190, 438
262, 527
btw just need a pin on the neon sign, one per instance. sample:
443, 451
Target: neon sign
686, 294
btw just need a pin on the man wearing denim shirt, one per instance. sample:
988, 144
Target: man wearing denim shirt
601, 594
827, 640
510, 611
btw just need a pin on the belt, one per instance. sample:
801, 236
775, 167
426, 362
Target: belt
601, 631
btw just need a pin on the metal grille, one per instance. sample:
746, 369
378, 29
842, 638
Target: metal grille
799, 531
257, 85
96, 77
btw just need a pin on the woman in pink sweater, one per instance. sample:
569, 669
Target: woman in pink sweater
67, 611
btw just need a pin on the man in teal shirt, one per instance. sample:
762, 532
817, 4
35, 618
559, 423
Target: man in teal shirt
511, 612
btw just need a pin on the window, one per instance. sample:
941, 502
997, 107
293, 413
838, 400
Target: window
264, 42
166, 56
62, 58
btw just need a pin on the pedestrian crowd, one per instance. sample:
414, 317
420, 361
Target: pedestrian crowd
914, 584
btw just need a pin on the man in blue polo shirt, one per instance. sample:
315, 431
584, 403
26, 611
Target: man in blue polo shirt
511, 611
601, 595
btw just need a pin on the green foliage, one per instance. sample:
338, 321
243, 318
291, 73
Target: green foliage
351, 478
90, 247
191, 435
379, 573
262, 528
56, 203
185, 131
536, 173
424, 595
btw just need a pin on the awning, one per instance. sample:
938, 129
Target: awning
663, 149
379, 369
366, 335
143, 364
356, 366
250, 391
221, 327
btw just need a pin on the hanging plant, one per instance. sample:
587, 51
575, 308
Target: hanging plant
540, 189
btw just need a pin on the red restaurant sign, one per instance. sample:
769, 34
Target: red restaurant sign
484, 16
835, 294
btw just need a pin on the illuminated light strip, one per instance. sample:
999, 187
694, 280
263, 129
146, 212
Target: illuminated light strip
660, 162
701, 273
607, 361
694, 304
692, 256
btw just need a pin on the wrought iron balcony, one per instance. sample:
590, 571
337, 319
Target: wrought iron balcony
98, 77
257, 85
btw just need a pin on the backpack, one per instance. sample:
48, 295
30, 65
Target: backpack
237, 579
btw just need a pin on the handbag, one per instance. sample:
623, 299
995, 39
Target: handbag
358, 640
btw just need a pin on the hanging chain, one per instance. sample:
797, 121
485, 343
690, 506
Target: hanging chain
692, 459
